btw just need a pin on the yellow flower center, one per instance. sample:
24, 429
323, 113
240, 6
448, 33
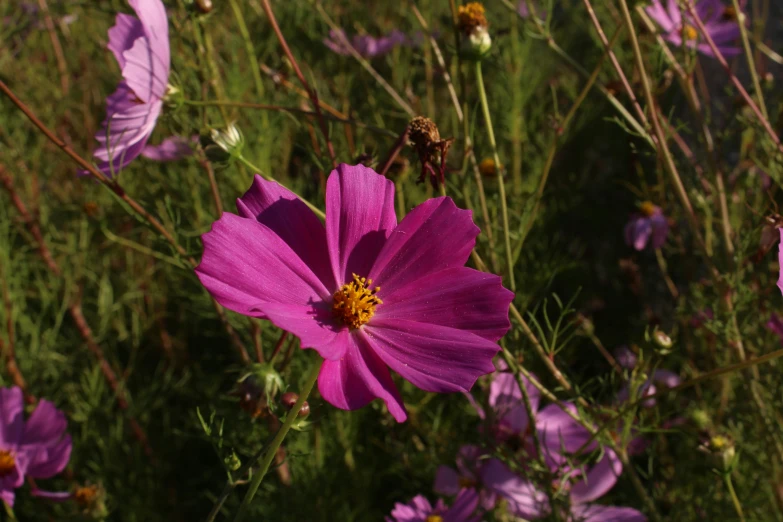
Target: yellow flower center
487, 167
647, 208
354, 303
7, 463
470, 16
86, 495
434, 518
689, 32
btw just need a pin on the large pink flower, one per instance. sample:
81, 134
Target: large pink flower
366, 292
141, 47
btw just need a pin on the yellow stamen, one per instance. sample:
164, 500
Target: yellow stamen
434, 518
7, 463
354, 303
689, 32
487, 168
647, 208
470, 16
85, 495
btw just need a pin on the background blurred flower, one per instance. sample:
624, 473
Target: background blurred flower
649, 222
38, 448
366, 45
719, 20
367, 293
420, 510
141, 47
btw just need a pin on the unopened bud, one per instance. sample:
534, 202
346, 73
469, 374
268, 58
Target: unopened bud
230, 139
478, 43
721, 448
232, 462
701, 419
289, 401
205, 6
662, 341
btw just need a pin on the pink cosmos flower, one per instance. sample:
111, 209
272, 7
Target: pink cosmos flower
719, 20
366, 292
366, 45
38, 448
649, 222
141, 47
420, 510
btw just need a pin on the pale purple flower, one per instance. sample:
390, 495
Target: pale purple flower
367, 293
648, 223
141, 47
585, 488
524, 12
38, 448
625, 357
366, 45
421, 510
719, 20
170, 149
775, 325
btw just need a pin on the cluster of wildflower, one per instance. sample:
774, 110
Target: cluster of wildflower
369, 46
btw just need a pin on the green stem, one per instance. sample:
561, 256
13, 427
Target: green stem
734, 498
251, 52
245, 162
749, 56
269, 456
501, 185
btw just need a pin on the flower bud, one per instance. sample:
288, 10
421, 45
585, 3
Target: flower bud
473, 25
230, 139
478, 43
232, 462
662, 341
91, 500
289, 401
721, 449
701, 419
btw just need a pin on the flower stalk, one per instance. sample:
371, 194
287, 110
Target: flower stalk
271, 451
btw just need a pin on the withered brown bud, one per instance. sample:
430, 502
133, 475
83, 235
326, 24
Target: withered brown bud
289, 401
205, 6
470, 16
432, 150
251, 398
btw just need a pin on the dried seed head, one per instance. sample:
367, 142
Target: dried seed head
423, 132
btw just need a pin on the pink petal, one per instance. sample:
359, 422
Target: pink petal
283, 212
52, 496
434, 358
358, 378
126, 30
11, 417
434, 236
598, 513
505, 398
659, 15
314, 325
675, 15
171, 149
359, 217
460, 298
598, 480
46, 462
45, 426
246, 265
129, 125
524, 500
446, 481
147, 62
559, 432
463, 507
638, 232
7, 495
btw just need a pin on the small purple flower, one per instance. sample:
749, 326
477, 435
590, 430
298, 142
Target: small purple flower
420, 510
368, 293
649, 222
775, 325
720, 22
38, 448
366, 45
524, 11
625, 357
141, 47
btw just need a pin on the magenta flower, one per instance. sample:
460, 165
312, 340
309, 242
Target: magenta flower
720, 22
420, 510
366, 45
38, 448
649, 222
141, 47
775, 325
367, 293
